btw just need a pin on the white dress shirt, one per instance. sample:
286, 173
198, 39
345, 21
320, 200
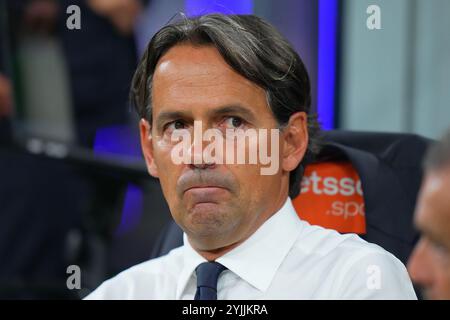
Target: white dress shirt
286, 258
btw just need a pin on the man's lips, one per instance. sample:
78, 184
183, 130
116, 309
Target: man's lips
204, 188
204, 194
207, 181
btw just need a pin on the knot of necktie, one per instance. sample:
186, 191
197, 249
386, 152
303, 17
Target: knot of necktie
207, 276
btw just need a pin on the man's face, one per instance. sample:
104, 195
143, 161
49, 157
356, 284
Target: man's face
217, 205
429, 265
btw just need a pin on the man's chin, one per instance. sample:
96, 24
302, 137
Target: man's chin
206, 220
205, 208
209, 220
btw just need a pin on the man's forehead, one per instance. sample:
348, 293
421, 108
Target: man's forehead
188, 76
189, 59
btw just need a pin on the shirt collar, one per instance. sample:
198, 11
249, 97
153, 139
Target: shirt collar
258, 258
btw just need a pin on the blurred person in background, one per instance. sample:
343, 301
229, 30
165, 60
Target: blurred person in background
99, 58
42, 202
5, 108
5, 96
429, 265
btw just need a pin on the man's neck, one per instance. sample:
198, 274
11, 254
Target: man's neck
212, 255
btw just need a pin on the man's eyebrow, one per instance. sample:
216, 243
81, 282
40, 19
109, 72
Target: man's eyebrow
169, 115
233, 109
224, 110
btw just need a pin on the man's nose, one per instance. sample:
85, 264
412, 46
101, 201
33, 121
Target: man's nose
198, 160
419, 264
197, 148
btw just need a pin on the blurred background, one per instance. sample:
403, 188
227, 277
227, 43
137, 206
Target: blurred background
73, 186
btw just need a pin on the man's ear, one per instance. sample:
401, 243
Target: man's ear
147, 147
295, 141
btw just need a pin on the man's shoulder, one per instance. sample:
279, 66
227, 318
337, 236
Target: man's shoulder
141, 280
319, 240
353, 262
343, 249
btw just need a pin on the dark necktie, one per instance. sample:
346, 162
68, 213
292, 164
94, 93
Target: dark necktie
207, 275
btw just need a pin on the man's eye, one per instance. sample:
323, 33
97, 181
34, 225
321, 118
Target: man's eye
234, 122
175, 125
